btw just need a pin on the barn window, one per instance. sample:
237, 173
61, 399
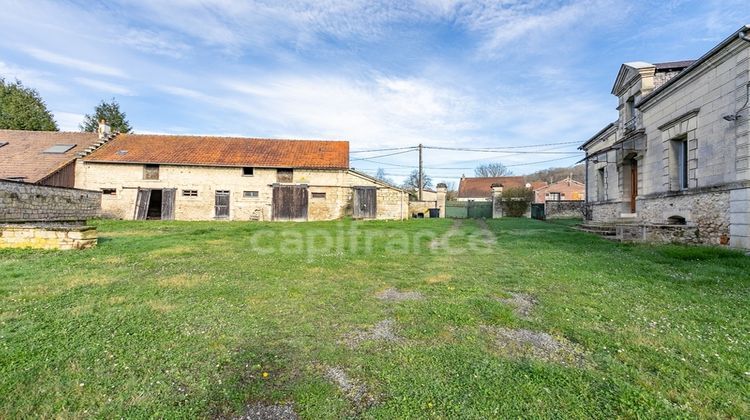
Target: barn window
247, 171
151, 172
189, 193
109, 191
249, 194
284, 175
319, 195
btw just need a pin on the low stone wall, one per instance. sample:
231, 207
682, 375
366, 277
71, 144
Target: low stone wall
605, 212
23, 203
62, 237
706, 217
565, 209
421, 207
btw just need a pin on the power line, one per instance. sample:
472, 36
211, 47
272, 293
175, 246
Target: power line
494, 149
389, 154
447, 169
382, 150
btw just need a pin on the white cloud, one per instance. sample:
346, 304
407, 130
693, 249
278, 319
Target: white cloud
68, 121
109, 88
31, 78
73, 63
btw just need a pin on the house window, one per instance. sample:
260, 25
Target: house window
555, 196
682, 163
284, 175
600, 185
109, 191
247, 171
249, 194
189, 193
319, 195
151, 172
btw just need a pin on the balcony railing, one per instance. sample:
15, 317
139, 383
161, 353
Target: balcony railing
630, 125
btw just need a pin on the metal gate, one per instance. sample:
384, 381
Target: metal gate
468, 210
289, 202
365, 203
537, 211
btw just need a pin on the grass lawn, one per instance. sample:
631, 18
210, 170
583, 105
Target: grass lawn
200, 319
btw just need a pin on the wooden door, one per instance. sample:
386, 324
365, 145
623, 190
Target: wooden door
167, 203
633, 184
221, 204
365, 203
289, 202
141, 204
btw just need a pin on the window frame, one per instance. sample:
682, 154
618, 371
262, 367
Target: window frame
318, 195
146, 168
284, 172
190, 193
253, 194
601, 190
683, 162
112, 194
245, 168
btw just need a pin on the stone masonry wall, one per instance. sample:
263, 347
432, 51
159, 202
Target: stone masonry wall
24, 203
566, 209
706, 212
63, 237
605, 212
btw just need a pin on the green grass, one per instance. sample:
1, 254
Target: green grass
181, 319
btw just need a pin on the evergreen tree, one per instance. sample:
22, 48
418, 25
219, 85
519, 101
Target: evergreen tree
109, 112
21, 108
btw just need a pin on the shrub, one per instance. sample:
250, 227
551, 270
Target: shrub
516, 201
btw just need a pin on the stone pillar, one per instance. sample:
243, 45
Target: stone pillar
497, 201
442, 192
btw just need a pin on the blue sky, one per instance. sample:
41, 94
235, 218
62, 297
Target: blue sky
379, 74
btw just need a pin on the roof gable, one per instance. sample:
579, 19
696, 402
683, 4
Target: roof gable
223, 151
627, 73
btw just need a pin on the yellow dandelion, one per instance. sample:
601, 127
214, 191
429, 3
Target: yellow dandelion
265, 374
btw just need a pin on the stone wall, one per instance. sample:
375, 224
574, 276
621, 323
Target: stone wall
605, 212
23, 203
565, 209
706, 213
62, 237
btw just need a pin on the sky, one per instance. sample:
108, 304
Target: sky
380, 74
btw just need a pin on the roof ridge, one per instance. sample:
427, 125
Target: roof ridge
231, 137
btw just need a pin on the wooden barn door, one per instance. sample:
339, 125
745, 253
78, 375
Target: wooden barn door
221, 204
289, 202
167, 203
141, 204
365, 205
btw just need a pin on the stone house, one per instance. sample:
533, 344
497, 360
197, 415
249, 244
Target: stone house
675, 166
480, 188
43, 157
205, 178
566, 189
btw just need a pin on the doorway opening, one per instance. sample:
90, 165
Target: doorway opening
154, 206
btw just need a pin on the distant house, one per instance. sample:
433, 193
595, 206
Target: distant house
675, 166
480, 189
42, 157
565, 189
228, 178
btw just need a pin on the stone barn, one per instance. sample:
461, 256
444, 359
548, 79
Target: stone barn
228, 178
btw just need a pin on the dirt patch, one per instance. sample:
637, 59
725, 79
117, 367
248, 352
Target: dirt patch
268, 412
487, 236
522, 303
440, 278
393, 295
355, 392
382, 331
524, 343
181, 280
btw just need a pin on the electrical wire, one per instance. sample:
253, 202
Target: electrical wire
382, 150
389, 154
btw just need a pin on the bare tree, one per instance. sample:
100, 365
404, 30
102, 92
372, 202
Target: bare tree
491, 170
411, 182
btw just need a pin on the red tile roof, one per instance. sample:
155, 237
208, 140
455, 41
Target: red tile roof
24, 158
223, 151
482, 187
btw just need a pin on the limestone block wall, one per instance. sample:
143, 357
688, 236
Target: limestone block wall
605, 212
62, 237
23, 203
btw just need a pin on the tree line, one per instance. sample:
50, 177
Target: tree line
22, 108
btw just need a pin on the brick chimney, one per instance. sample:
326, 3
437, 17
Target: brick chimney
104, 129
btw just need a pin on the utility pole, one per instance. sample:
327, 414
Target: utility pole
419, 196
